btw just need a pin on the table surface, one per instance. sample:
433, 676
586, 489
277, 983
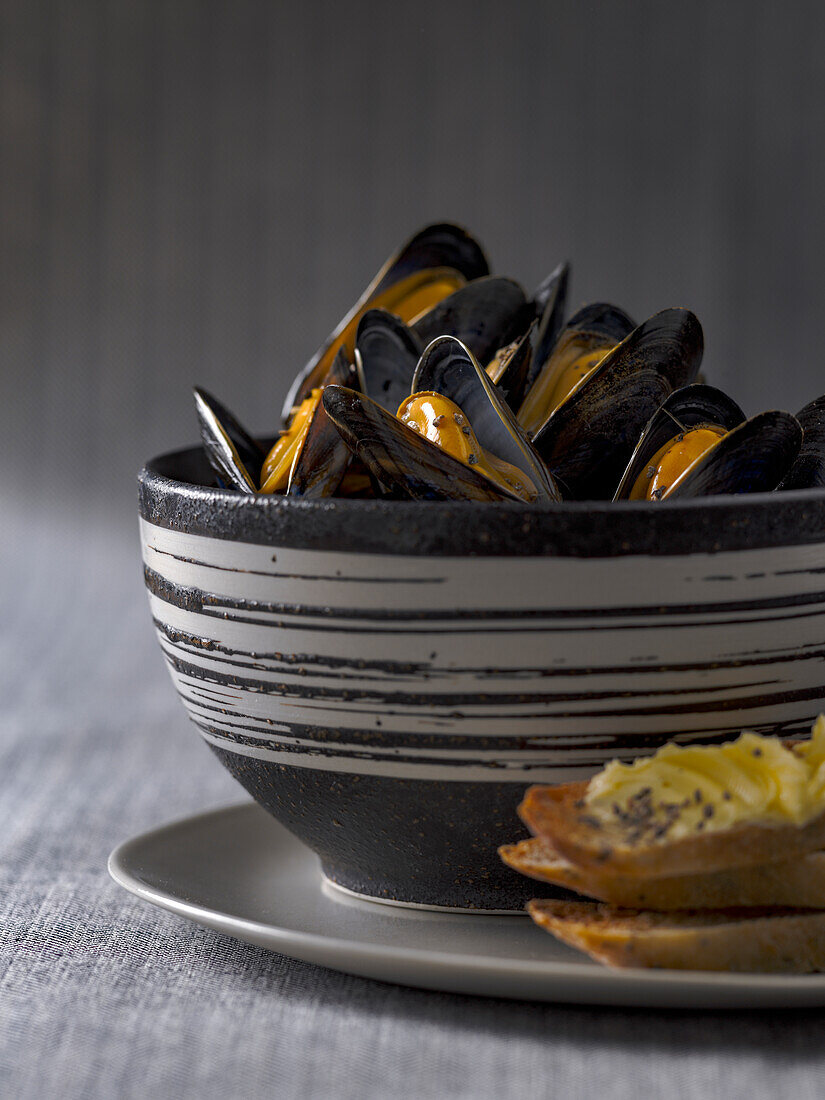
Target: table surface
102, 995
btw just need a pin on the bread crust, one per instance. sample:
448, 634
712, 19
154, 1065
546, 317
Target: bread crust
798, 883
760, 941
559, 815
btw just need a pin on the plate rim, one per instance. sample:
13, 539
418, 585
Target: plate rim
587, 972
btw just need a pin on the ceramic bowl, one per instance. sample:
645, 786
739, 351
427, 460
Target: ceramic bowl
386, 678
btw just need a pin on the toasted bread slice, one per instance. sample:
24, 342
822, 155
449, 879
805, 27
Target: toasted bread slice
795, 884
775, 941
560, 815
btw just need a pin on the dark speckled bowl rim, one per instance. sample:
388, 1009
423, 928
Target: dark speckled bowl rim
172, 496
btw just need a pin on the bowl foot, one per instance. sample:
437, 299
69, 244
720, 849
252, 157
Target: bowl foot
423, 843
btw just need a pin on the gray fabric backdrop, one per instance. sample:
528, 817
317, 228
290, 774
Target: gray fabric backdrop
197, 191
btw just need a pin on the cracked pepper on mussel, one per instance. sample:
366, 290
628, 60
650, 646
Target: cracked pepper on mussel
445, 382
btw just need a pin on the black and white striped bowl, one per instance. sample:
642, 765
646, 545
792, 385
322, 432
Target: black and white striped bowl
387, 678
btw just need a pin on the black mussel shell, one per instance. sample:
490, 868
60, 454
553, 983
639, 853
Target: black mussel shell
753, 458
550, 295
587, 442
251, 452
550, 300
485, 315
449, 368
322, 461
602, 319
386, 354
808, 470
514, 370
692, 405
232, 452
434, 246
596, 325
403, 464
441, 244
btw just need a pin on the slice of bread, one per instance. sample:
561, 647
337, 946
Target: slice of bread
796, 884
560, 815
758, 941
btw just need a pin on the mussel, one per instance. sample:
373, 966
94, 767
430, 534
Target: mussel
430, 266
403, 464
752, 458
562, 366
321, 458
386, 355
484, 315
231, 451
588, 439
688, 423
699, 443
808, 469
448, 370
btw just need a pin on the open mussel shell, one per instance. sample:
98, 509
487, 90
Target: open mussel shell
386, 354
596, 324
510, 368
437, 246
589, 334
685, 408
441, 244
449, 368
322, 461
549, 300
808, 470
752, 458
587, 442
232, 452
484, 315
403, 464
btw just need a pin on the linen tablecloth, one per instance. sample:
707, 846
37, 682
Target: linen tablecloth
103, 996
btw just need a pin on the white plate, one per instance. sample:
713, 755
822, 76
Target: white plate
237, 871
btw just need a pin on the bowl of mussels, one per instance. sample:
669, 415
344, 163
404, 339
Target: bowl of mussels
497, 542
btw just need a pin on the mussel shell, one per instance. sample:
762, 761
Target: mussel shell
441, 244
595, 326
485, 315
587, 442
437, 245
403, 464
602, 319
752, 458
808, 470
549, 300
692, 405
386, 354
232, 452
550, 295
250, 451
449, 368
511, 379
320, 465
